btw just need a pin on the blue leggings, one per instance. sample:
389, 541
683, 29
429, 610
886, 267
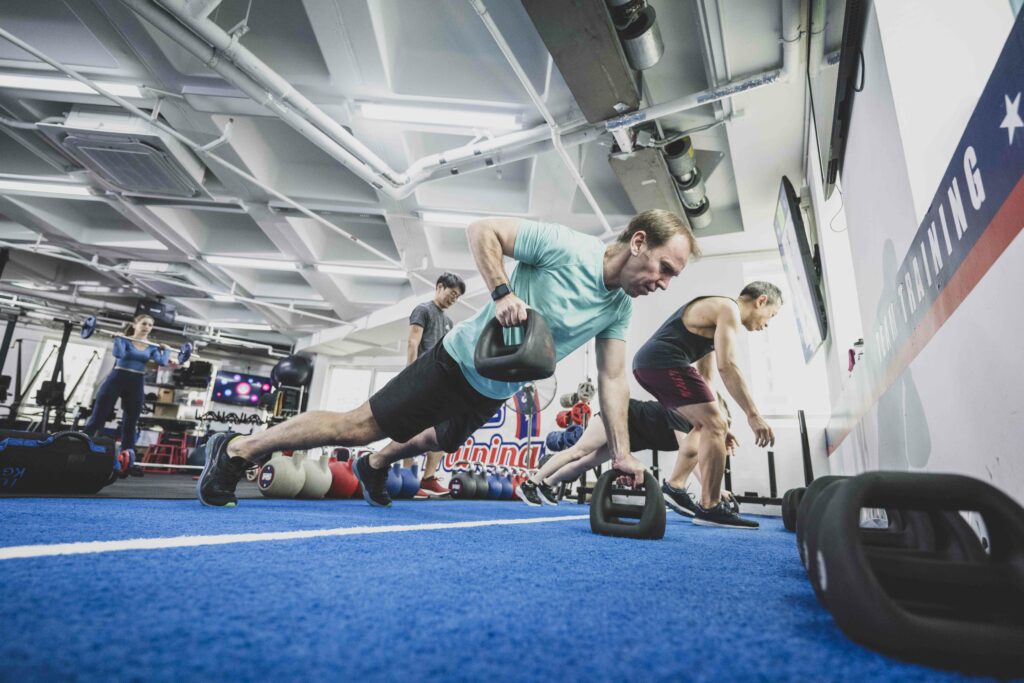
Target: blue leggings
127, 386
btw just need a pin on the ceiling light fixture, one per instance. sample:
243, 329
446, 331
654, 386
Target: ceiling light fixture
145, 245
255, 327
463, 118
246, 262
148, 266
444, 218
224, 298
29, 187
51, 84
362, 271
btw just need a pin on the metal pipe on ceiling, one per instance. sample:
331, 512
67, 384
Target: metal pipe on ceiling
228, 46
535, 97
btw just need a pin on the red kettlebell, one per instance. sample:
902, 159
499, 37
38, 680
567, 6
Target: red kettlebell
343, 480
580, 413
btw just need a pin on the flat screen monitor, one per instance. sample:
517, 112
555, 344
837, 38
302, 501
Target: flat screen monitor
240, 388
808, 305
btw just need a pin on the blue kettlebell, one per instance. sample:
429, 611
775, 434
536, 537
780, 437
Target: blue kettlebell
506, 486
410, 483
572, 435
553, 442
394, 482
493, 486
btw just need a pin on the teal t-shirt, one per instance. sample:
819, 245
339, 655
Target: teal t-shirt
560, 274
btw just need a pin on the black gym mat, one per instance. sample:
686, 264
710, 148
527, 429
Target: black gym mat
148, 487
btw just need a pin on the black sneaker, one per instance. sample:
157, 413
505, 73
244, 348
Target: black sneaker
374, 482
216, 485
678, 499
721, 515
527, 492
547, 494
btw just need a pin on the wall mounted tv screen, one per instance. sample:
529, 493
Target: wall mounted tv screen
240, 388
807, 303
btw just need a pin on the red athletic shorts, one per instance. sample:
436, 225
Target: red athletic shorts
674, 387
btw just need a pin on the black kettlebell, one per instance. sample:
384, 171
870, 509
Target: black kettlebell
532, 359
483, 487
462, 484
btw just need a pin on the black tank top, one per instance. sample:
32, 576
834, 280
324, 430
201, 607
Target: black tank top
672, 345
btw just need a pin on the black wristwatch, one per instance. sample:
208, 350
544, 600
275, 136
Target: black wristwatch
501, 291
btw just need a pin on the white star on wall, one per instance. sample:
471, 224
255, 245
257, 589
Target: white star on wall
1011, 121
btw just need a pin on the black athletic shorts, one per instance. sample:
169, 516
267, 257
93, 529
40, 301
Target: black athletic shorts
652, 426
432, 392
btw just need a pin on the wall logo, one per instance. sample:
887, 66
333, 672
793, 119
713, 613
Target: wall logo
975, 214
496, 451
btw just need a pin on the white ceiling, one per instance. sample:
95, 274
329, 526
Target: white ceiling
339, 54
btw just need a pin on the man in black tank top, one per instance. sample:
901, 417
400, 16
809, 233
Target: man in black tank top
676, 365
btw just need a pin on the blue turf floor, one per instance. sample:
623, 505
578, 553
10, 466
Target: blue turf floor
531, 602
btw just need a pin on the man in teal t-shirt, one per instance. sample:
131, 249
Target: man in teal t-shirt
581, 287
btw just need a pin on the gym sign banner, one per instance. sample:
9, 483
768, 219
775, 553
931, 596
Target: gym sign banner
975, 214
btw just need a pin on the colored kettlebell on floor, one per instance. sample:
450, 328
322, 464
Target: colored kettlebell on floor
394, 481
483, 487
493, 486
281, 477
410, 482
318, 478
343, 480
506, 485
462, 484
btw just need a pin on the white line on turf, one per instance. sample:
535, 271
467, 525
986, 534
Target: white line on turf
87, 547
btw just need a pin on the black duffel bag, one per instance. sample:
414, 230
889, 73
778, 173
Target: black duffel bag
63, 462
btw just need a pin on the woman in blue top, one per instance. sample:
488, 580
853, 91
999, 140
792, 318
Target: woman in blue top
126, 381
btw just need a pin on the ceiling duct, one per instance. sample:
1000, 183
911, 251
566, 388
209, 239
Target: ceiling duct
129, 153
585, 47
682, 164
637, 25
645, 176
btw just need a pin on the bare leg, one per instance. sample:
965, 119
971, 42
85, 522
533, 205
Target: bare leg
430, 467
309, 430
394, 451
707, 418
686, 461
593, 437
577, 467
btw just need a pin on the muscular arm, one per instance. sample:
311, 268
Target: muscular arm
613, 393
706, 367
489, 240
413, 346
726, 325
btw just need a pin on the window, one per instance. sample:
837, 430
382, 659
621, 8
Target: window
382, 377
779, 379
80, 361
347, 388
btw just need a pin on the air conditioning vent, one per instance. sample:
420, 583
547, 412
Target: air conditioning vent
129, 153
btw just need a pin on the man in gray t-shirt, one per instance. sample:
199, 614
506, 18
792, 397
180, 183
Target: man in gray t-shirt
428, 323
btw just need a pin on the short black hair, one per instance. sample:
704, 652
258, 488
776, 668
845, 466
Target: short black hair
452, 281
760, 287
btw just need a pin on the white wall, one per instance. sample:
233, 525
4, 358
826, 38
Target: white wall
957, 405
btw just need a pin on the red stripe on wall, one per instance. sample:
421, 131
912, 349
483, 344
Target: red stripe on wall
1005, 226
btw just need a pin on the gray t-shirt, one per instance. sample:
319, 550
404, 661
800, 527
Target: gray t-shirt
434, 322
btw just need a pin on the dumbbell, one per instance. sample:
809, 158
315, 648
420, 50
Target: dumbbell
580, 413
956, 606
563, 418
606, 516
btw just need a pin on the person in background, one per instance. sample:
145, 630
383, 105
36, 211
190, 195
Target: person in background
428, 323
126, 382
